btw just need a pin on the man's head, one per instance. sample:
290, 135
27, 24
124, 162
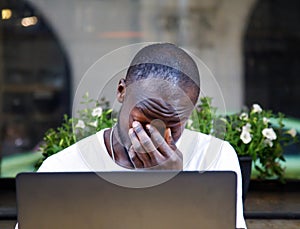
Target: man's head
161, 84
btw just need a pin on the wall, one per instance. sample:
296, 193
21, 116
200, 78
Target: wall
211, 29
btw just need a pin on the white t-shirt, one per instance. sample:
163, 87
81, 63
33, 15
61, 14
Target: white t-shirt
200, 152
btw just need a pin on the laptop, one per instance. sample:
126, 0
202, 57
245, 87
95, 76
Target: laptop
95, 200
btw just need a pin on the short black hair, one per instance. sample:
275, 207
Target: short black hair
167, 62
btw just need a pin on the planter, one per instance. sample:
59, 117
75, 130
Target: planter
246, 167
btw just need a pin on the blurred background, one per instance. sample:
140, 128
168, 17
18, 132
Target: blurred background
251, 47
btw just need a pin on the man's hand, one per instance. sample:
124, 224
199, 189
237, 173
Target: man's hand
155, 152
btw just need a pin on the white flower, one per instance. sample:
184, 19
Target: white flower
292, 132
80, 124
256, 108
94, 124
268, 142
269, 133
245, 137
247, 127
97, 112
244, 116
266, 120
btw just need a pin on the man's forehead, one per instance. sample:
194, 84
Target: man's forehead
158, 95
154, 108
157, 88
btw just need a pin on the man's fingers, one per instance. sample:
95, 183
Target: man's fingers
170, 141
137, 163
159, 141
144, 141
156, 151
138, 148
143, 138
166, 146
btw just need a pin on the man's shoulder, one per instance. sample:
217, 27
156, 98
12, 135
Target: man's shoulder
205, 142
83, 143
70, 156
195, 135
193, 141
67, 154
192, 134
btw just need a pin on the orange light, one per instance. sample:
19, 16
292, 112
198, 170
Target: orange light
29, 21
6, 14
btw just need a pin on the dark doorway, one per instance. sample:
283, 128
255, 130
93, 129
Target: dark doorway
34, 78
272, 56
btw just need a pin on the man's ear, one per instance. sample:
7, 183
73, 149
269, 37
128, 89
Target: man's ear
121, 90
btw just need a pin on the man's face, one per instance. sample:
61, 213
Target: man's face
163, 109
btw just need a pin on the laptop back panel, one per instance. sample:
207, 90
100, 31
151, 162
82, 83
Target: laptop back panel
85, 200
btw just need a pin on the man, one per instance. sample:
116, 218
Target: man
158, 94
